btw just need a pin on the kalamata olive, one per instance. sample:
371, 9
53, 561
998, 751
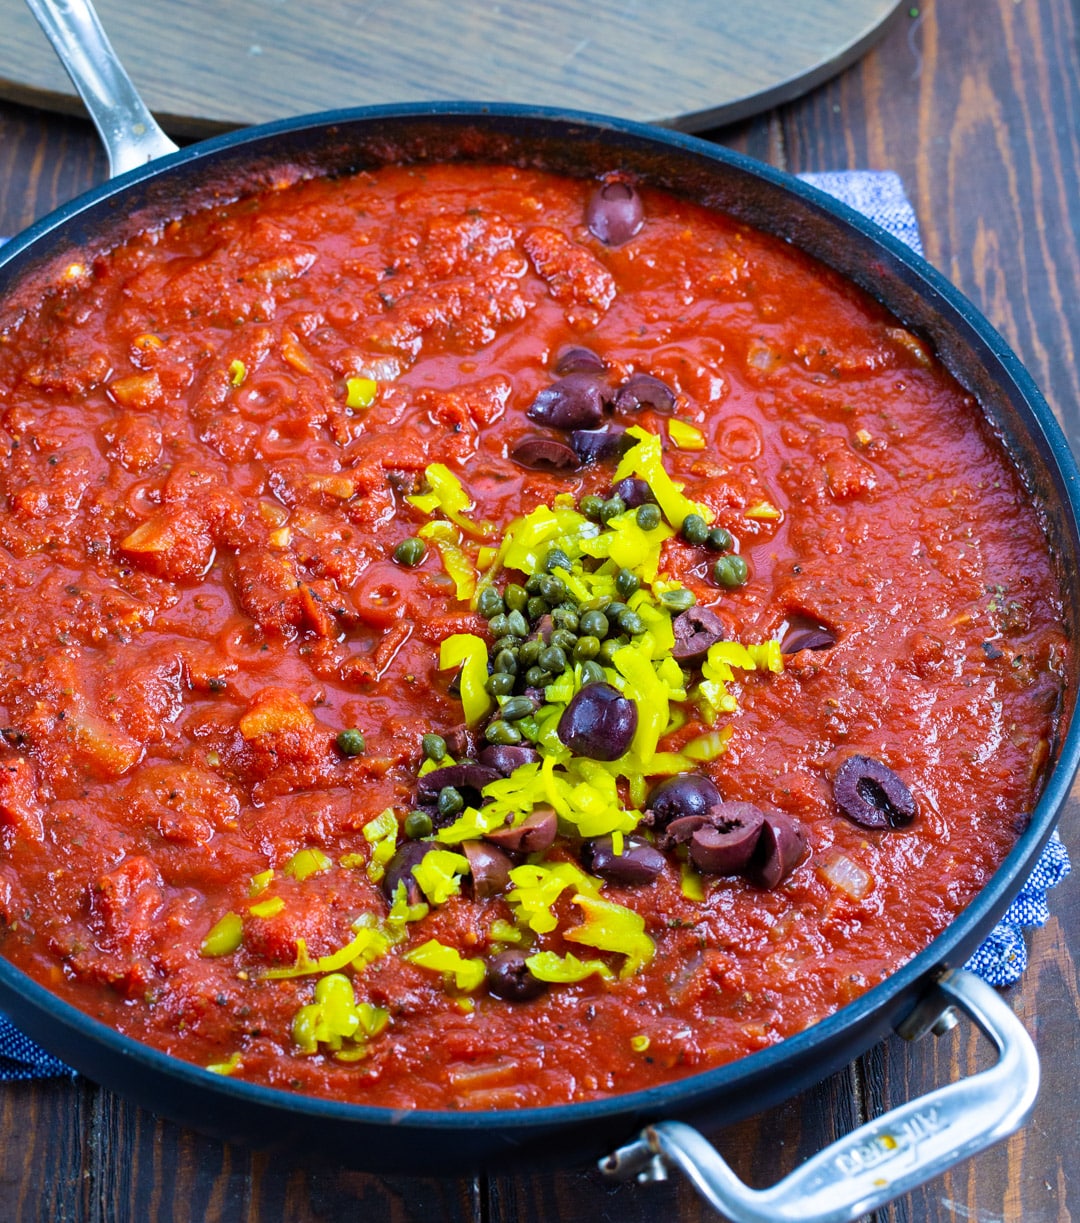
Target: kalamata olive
399, 870
535, 834
578, 361
614, 212
684, 794
490, 868
644, 391
695, 629
679, 831
803, 634
544, 454
634, 492
459, 741
508, 977
727, 838
574, 402
638, 863
504, 759
597, 445
871, 795
599, 723
780, 849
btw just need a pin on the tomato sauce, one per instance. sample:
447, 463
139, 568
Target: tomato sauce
209, 436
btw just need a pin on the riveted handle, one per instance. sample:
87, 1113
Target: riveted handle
127, 129
880, 1160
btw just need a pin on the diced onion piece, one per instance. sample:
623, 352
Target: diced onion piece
846, 875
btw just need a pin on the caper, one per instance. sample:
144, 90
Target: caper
586, 648
614, 610
500, 684
536, 607
594, 624
678, 600
720, 540
612, 508
518, 625
489, 602
648, 516
591, 507
350, 742
410, 551
563, 638
695, 530
537, 677
630, 622
499, 624
565, 616
504, 734
418, 824
433, 747
517, 707
553, 659
506, 661
609, 648
529, 652
515, 597
532, 583
556, 559
450, 802
730, 571
552, 588
592, 673
626, 583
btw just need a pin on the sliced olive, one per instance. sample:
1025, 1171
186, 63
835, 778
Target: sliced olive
490, 869
614, 213
682, 795
871, 795
725, 842
780, 849
543, 454
508, 977
578, 361
695, 629
574, 402
638, 863
532, 836
644, 391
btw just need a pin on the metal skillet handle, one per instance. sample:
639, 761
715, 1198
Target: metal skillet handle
127, 129
882, 1159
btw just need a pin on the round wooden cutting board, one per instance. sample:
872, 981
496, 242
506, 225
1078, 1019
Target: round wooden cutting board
204, 65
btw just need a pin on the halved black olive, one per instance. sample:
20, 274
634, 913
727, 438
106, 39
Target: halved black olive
574, 402
508, 977
544, 454
679, 796
871, 795
614, 212
780, 848
645, 391
638, 863
695, 629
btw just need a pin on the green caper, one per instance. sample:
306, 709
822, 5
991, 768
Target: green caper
695, 530
565, 616
517, 707
504, 734
500, 684
489, 602
648, 516
532, 583
556, 559
552, 588
515, 597
537, 677
614, 610
410, 551
592, 673
720, 540
529, 652
626, 583
609, 648
630, 622
678, 600
506, 662
553, 659
350, 742
612, 508
594, 624
433, 747
586, 648
418, 824
591, 507
536, 607
730, 571
519, 626
499, 624
563, 638
450, 802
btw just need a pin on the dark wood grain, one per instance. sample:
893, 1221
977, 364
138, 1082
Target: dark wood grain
977, 106
203, 65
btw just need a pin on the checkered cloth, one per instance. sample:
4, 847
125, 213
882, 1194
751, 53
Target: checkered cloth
1003, 957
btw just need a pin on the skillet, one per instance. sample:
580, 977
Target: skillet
886, 1157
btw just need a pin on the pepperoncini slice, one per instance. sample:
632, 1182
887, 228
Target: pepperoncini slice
467, 974
225, 936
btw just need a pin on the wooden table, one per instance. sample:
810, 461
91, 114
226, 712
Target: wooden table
976, 103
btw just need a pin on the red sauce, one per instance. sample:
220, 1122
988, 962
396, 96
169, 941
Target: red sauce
196, 533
